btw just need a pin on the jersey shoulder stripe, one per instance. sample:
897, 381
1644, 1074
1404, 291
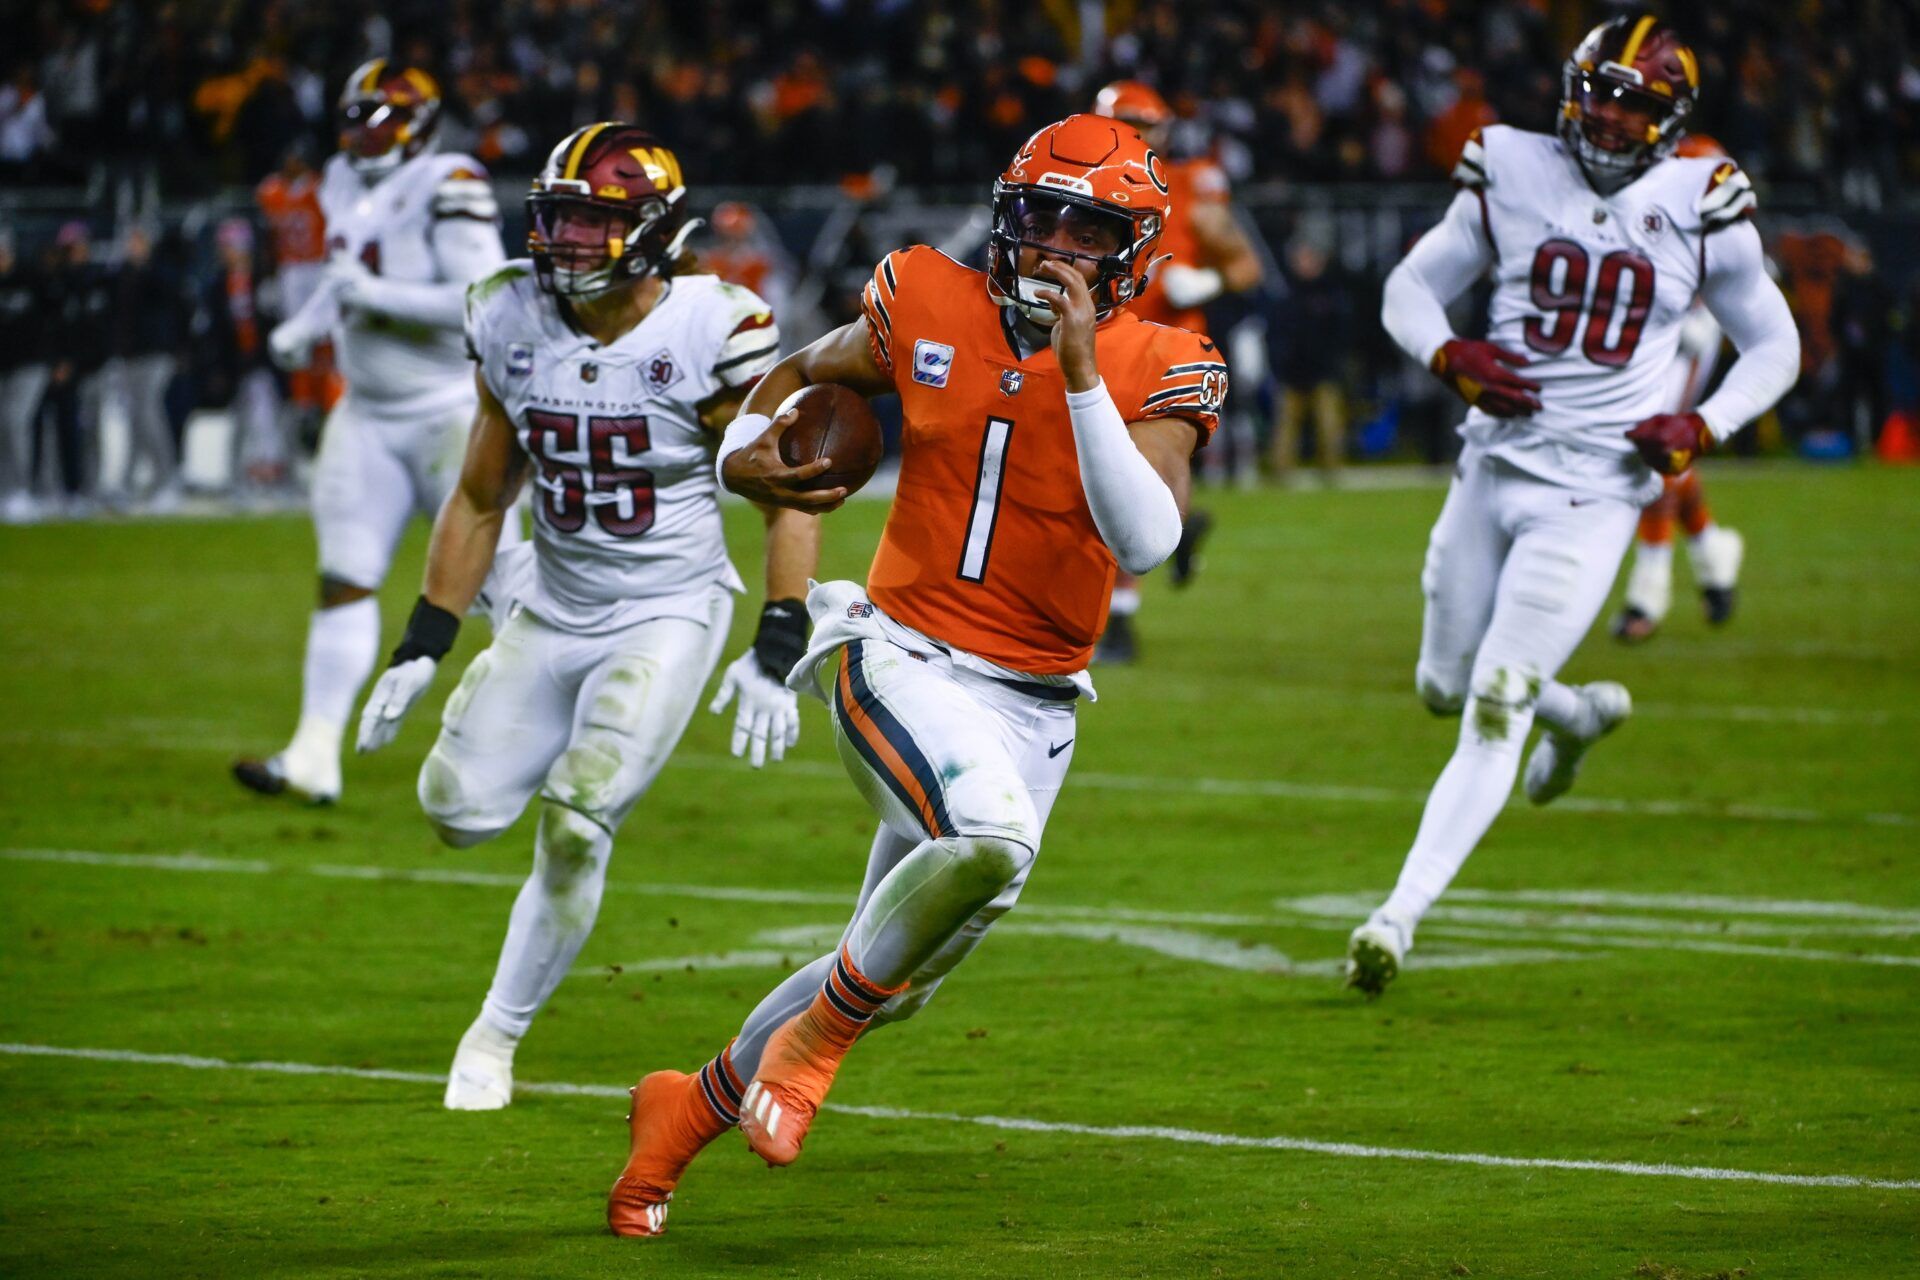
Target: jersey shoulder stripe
911, 270
1470, 171
462, 191
1728, 198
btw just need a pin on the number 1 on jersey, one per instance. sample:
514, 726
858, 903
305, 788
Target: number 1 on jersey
986, 500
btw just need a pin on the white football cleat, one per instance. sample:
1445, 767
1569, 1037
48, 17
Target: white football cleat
310, 776
481, 1078
1717, 555
1556, 757
1375, 952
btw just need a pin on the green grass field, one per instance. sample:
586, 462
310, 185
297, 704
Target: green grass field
1708, 956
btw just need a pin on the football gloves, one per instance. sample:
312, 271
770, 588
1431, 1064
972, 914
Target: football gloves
767, 721
1482, 374
290, 344
768, 718
1669, 442
430, 634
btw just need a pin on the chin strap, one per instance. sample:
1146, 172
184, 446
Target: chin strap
677, 244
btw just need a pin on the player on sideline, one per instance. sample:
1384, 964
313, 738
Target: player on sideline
408, 230
1597, 241
1716, 551
1048, 433
1207, 255
607, 369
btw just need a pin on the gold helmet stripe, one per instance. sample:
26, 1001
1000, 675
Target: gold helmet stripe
371, 80
587, 135
422, 83
1690, 65
1638, 38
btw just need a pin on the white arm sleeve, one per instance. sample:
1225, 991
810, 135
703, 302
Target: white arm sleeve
1438, 269
1753, 311
1132, 506
320, 313
466, 250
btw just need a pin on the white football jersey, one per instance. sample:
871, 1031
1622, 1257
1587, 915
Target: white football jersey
626, 506
1593, 289
388, 227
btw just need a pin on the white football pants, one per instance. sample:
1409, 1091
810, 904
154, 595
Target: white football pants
1517, 569
589, 722
963, 770
373, 473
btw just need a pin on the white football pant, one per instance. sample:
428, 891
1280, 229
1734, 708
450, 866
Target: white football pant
588, 721
963, 770
374, 473
1517, 570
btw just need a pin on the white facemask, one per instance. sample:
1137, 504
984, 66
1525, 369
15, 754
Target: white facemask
1029, 303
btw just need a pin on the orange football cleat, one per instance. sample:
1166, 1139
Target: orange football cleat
796, 1070
671, 1122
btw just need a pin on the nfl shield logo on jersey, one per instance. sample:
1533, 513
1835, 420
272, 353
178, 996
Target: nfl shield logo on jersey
589, 372
932, 362
1011, 381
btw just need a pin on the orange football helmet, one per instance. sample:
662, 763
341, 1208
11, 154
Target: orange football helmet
388, 114
1135, 101
610, 205
1086, 168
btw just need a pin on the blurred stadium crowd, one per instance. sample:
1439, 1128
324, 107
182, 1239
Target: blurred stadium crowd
139, 266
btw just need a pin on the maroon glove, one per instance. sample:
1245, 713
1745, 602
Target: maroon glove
1669, 442
1483, 375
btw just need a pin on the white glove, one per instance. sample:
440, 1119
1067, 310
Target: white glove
1192, 286
769, 713
398, 688
351, 283
290, 345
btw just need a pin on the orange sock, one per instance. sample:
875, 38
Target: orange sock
1695, 515
721, 1086
1656, 519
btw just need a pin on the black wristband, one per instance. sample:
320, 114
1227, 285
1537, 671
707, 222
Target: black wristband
781, 641
430, 633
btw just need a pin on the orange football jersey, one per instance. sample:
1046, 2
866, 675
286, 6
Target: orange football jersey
989, 545
292, 210
1189, 183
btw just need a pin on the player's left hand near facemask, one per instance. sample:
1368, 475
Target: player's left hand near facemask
430, 634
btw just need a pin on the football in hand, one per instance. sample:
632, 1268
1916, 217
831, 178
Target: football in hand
834, 422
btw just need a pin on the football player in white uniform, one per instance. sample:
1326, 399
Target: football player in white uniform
1597, 241
606, 372
408, 229
1716, 551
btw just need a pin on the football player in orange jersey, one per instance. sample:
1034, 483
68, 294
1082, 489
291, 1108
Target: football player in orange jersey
1206, 255
1047, 437
289, 200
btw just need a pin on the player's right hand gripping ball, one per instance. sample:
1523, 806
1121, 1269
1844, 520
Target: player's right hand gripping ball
1482, 374
1669, 442
832, 421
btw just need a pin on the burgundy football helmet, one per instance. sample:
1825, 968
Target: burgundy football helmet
1625, 96
388, 114
609, 206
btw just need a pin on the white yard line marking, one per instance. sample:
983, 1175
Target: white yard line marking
799, 943
1245, 788
1328, 912
1022, 1124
